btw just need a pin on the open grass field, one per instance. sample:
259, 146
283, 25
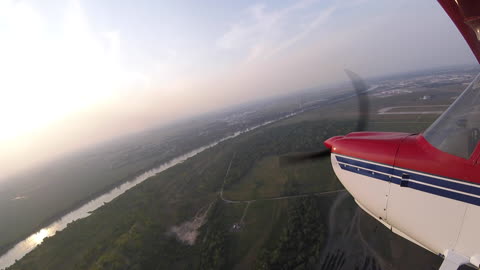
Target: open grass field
268, 180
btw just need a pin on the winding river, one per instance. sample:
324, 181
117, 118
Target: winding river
27, 245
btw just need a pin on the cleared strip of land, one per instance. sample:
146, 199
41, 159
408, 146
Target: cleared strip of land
424, 109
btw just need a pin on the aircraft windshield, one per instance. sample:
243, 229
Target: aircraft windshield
457, 130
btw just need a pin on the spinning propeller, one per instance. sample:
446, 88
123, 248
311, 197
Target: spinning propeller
360, 88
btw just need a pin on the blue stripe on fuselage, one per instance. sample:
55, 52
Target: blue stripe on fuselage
366, 165
438, 182
386, 173
365, 172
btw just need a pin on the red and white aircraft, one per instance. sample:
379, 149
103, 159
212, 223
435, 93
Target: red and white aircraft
425, 187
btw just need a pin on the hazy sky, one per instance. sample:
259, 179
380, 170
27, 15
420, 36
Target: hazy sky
76, 72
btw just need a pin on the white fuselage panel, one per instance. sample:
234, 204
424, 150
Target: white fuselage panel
434, 212
373, 195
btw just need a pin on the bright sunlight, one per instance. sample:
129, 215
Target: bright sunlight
51, 70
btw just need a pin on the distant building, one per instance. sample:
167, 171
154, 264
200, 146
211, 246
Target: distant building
236, 227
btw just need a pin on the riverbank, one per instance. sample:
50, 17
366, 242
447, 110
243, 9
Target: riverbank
7, 259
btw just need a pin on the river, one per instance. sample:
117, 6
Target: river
27, 245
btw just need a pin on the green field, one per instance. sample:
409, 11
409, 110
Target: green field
267, 180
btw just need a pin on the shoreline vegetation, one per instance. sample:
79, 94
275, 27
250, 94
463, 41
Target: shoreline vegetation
72, 206
132, 176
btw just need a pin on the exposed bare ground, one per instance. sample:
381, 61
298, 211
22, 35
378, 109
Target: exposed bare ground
187, 232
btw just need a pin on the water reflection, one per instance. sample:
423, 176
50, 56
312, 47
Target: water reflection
27, 245
37, 238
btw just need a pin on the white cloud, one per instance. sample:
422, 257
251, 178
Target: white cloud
265, 32
321, 18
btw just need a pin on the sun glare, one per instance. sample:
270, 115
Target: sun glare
48, 74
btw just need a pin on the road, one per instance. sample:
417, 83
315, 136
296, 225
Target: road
248, 202
387, 110
271, 198
339, 237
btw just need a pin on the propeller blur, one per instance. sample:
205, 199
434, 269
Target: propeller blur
424, 187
